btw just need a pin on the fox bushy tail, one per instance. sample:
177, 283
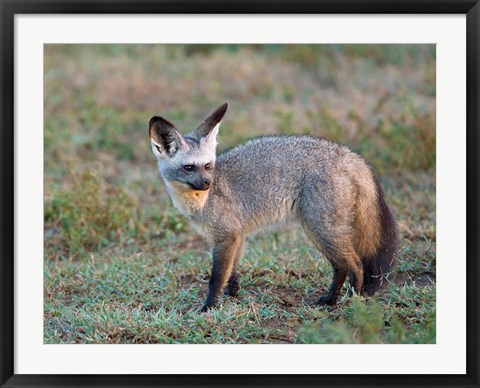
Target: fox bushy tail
377, 235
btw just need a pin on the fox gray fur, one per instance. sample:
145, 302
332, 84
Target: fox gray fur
330, 190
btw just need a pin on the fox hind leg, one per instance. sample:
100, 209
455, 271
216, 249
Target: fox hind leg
341, 254
349, 264
355, 279
330, 299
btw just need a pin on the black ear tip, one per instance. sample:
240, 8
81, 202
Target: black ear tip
153, 120
221, 110
158, 123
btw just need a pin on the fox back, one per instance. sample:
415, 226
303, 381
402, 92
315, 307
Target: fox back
330, 190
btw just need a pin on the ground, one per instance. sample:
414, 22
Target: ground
122, 265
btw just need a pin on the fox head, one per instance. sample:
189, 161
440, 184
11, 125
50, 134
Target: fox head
186, 161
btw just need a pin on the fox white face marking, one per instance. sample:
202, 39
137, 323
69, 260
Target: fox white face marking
205, 152
187, 163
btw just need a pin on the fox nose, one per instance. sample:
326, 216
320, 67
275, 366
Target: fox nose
201, 184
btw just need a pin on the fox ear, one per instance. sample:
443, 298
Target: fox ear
165, 138
209, 127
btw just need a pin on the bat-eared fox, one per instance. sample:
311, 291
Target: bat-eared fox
331, 191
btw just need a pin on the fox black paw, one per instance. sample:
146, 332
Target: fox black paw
325, 300
204, 309
232, 291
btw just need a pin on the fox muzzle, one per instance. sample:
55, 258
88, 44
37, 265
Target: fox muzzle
202, 184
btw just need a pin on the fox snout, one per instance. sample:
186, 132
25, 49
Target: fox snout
201, 184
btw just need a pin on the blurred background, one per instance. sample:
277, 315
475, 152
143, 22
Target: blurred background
122, 265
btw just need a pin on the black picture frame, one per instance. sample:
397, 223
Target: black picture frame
11, 8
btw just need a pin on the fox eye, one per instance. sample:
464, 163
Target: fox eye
188, 167
208, 166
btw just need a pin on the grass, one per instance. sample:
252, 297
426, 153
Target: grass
121, 265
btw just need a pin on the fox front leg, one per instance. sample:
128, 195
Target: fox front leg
232, 285
224, 255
